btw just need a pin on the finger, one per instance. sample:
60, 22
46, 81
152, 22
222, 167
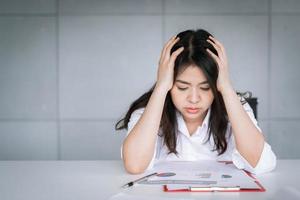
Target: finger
169, 41
216, 58
166, 45
219, 46
217, 42
213, 44
169, 47
175, 54
218, 49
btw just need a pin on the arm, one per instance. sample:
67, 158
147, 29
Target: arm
138, 146
248, 139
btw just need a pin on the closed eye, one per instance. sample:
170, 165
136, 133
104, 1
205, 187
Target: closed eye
182, 88
179, 88
205, 89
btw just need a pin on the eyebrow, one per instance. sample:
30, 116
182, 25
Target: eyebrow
184, 82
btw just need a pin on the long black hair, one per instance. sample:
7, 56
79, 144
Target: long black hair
194, 53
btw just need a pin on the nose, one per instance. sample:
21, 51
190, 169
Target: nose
194, 96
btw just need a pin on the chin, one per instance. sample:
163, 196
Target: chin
191, 116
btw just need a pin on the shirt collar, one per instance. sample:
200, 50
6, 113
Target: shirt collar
182, 125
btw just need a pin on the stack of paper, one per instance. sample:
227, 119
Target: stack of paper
201, 175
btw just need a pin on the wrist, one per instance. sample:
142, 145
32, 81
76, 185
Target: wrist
227, 90
161, 89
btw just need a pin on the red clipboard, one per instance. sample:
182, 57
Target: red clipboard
259, 189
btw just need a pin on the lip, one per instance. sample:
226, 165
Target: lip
192, 110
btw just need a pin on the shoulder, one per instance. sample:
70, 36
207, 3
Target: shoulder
135, 116
245, 104
137, 112
249, 111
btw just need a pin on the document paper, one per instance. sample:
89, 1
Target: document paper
206, 173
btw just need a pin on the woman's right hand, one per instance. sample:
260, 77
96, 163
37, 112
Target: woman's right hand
166, 65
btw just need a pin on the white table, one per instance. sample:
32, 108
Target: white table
102, 179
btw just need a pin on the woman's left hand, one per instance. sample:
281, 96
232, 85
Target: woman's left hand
223, 81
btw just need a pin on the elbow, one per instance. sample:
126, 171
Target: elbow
261, 170
134, 168
254, 161
265, 164
135, 164
268, 165
254, 156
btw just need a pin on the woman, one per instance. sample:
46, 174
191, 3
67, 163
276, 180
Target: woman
193, 112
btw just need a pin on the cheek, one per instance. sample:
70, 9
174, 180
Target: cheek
210, 98
177, 97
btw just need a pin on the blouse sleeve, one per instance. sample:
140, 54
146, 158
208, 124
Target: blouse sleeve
134, 118
267, 161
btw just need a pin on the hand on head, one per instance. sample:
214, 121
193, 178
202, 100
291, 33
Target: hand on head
166, 64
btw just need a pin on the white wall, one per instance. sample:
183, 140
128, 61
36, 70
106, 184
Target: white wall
70, 68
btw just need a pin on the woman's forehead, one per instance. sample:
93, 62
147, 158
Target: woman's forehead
192, 74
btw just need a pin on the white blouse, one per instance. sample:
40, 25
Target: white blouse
192, 148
